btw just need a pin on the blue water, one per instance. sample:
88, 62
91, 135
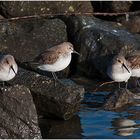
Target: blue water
92, 122
97, 123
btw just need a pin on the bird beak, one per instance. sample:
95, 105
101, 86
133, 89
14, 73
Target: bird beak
13, 69
76, 52
126, 67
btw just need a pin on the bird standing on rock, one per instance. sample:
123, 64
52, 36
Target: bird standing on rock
56, 58
119, 70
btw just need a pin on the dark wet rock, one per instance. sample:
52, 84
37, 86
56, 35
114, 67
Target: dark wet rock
18, 117
55, 128
119, 6
132, 23
98, 41
112, 6
62, 101
27, 8
118, 99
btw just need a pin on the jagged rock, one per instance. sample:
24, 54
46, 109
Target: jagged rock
27, 8
118, 99
62, 101
98, 41
18, 117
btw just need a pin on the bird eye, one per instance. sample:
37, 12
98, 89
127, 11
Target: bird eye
119, 60
7, 62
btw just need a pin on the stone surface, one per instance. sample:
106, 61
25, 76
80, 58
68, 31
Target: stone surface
27, 8
62, 101
26, 39
132, 23
98, 41
118, 99
18, 117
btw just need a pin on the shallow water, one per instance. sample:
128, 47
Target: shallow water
95, 123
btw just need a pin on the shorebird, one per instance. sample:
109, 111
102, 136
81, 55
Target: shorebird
8, 67
56, 58
134, 60
119, 70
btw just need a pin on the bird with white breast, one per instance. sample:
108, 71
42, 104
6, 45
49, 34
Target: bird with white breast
8, 67
119, 70
55, 58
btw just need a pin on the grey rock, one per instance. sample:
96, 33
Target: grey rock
18, 117
62, 101
118, 99
26, 39
28, 8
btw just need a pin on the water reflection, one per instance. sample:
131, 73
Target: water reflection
124, 127
95, 123
61, 129
98, 123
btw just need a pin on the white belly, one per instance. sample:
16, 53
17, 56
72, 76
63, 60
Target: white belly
59, 65
135, 73
119, 76
7, 74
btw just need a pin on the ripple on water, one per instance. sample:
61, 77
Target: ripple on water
97, 123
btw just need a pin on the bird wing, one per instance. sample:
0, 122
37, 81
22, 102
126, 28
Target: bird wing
134, 61
48, 57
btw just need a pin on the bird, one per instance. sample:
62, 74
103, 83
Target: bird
55, 58
134, 60
118, 70
8, 67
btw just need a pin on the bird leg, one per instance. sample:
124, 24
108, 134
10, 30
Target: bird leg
55, 78
138, 83
119, 85
126, 85
2, 83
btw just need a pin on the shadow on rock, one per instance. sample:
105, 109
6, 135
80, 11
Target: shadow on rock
56, 128
62, 101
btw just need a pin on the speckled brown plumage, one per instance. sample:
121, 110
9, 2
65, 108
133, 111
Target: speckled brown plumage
134, 60
51, 55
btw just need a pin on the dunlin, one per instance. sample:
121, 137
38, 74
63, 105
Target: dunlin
134, 60
8, 67
56, 58
119, 70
